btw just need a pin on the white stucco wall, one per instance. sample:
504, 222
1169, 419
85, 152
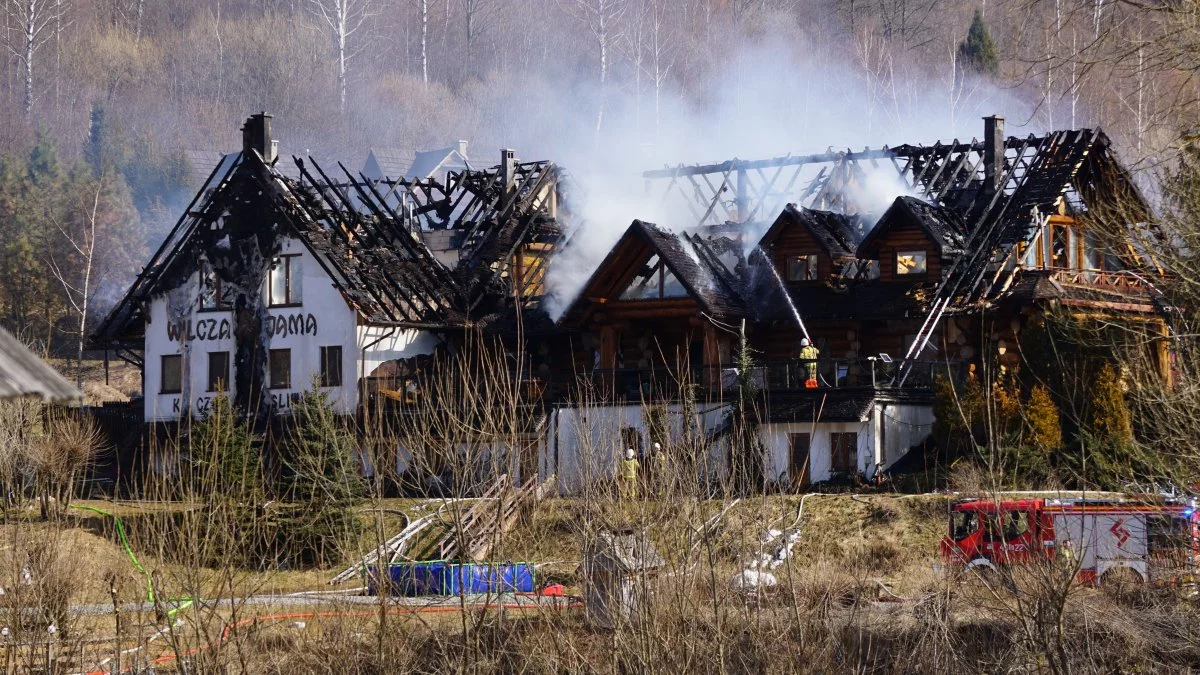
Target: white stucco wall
177, 326
902, 427
377, 345
584, 444
774, 438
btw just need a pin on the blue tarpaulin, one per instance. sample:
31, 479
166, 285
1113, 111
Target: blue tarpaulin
446, 578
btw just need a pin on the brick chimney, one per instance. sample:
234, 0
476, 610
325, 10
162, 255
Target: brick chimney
256, 135
993, 153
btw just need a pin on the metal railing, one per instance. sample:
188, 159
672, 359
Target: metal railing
632, 384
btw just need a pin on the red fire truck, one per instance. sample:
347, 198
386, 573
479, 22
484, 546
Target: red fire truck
1159, 540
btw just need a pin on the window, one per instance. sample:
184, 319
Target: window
802, 268
799, 469
280, 366
843, 451
910, 262
1060, 246
1093, 253
653, 281
283, 283
331, 366
172, 374
212, 292
631, 437
218, 371
963, 524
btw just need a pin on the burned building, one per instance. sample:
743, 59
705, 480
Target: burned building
289, 274
284, 274
983, 238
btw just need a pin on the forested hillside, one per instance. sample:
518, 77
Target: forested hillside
103, 99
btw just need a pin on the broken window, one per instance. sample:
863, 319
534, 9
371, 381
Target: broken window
843, 451
172, 374
331, 366
283, 283
1060, 245
218, 371
280, 367
653, 282
802, 268
1093, 253
212, 291
910, 262
631, 437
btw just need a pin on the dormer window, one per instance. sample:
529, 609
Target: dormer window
212, 291
802, 268
283, 283
653, 282
911, 263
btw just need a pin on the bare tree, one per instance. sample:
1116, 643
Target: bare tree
603, 20
76, 280
32, 23
340, 21
662, 55
424, 41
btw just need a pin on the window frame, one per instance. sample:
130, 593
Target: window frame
219, 303
913, 253
843, 445
796, 440
812, 264
325, 361
221, 385
177, 359
284, 260
272, 383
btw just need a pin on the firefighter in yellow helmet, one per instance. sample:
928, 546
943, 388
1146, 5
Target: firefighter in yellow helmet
808, 355
661, 471
629, 474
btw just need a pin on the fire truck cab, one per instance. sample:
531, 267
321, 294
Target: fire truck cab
1159, 542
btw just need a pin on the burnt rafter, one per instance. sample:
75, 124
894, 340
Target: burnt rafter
368, 268
515, 221
370, 237
130, 310
490, 214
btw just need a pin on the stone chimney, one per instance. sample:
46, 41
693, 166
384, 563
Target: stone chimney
256, 135
993, 153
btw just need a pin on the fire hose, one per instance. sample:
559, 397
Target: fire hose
180, 603
229, 628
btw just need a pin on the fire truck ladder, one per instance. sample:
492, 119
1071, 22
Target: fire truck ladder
1041, 179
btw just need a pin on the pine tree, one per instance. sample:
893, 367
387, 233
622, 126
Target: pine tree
323, 484
977, 53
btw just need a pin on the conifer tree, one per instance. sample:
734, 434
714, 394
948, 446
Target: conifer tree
977, 53
323, 484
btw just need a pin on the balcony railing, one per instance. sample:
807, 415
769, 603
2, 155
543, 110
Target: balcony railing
657, 384
789, 375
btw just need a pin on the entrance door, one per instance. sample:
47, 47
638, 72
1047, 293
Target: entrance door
799, 470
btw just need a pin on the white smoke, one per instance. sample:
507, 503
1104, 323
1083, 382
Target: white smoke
782, 100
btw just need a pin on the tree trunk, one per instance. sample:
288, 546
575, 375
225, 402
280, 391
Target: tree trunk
425, 42
341, 47
30, 46
88, 262
602, 37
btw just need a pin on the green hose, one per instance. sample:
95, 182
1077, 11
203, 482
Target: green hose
184, 603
